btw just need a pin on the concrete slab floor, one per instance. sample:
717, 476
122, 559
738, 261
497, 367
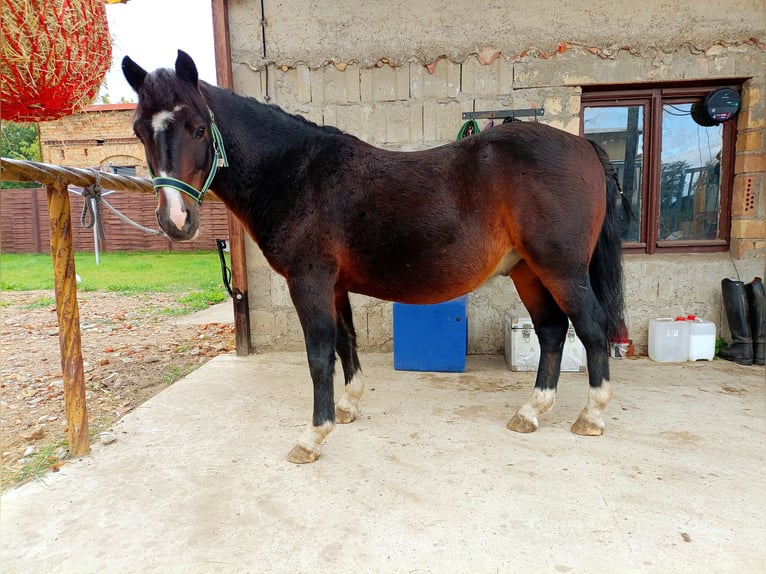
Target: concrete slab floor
428, 479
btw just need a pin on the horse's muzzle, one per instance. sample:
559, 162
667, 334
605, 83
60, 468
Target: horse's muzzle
178, 218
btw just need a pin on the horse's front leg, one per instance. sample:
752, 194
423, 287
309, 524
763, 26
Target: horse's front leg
317, 316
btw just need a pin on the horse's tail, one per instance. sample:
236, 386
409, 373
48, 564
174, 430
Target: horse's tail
606, 263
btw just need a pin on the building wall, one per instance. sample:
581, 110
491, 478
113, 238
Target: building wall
94, 138
399, 76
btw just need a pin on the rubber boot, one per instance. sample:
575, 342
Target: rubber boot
755, 301
735, 302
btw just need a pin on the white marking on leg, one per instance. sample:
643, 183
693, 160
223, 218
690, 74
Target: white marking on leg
539, 402
598, 399
313, 437
352, 393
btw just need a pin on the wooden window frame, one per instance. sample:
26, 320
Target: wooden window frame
653, 98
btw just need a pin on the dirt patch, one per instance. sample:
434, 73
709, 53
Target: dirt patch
132, 349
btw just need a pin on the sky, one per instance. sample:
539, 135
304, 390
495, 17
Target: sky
151, 32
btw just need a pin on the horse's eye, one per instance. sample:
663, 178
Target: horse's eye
200, 132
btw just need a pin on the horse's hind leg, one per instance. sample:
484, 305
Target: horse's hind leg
589, 319
590, 326
347, 407
314, 304
551, 327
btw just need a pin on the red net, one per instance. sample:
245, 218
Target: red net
53, 57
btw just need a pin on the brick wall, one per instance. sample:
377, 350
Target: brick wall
748, 224
99, 136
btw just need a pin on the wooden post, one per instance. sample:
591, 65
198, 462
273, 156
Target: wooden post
237, 252
238, 281
70, 341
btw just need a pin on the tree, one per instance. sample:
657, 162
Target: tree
19, 141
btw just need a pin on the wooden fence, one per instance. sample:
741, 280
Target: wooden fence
24, 225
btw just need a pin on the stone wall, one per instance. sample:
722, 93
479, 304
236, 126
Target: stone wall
401, 79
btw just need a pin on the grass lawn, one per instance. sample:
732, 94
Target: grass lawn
197, 274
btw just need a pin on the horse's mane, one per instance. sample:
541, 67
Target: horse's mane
275, 113
162, 89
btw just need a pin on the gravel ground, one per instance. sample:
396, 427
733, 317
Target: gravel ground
132, 349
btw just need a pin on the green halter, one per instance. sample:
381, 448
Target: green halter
219, 160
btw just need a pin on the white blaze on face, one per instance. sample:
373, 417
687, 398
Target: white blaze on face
176, 209
160, 120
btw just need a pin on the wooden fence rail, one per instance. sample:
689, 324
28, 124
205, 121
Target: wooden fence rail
47, 174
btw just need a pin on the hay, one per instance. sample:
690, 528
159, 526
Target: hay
54, 55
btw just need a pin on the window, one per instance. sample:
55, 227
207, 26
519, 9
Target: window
676, 173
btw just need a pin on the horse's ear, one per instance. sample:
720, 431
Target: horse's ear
134, 73
185, 68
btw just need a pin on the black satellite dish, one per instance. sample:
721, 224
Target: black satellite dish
718, 106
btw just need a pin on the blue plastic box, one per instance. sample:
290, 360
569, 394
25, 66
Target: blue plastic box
431, 337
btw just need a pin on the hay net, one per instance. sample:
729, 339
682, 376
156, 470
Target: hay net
54, 55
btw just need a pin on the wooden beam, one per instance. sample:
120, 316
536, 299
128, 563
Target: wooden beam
237, 251
68, 313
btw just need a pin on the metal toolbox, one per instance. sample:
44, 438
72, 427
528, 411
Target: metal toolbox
522, 349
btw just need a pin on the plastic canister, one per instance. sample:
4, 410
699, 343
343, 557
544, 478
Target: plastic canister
701, 339
669, 339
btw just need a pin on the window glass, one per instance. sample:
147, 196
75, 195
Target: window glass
620, 131
690, 182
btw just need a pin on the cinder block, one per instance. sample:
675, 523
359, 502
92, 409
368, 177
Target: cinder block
248, 82
333, 86
348, 118
443, 83
291, 86
481, 79
399, 122
441, 121
385, 83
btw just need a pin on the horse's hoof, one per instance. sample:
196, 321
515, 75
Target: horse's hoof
584, 427
344, 416
521, 424
301, 455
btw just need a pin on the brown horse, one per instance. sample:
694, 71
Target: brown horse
335, 215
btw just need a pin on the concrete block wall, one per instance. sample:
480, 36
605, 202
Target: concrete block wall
416, 106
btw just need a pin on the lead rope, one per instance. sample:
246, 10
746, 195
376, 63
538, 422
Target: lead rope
91, 208
225, 270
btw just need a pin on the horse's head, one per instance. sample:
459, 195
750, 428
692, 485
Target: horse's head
182, 143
